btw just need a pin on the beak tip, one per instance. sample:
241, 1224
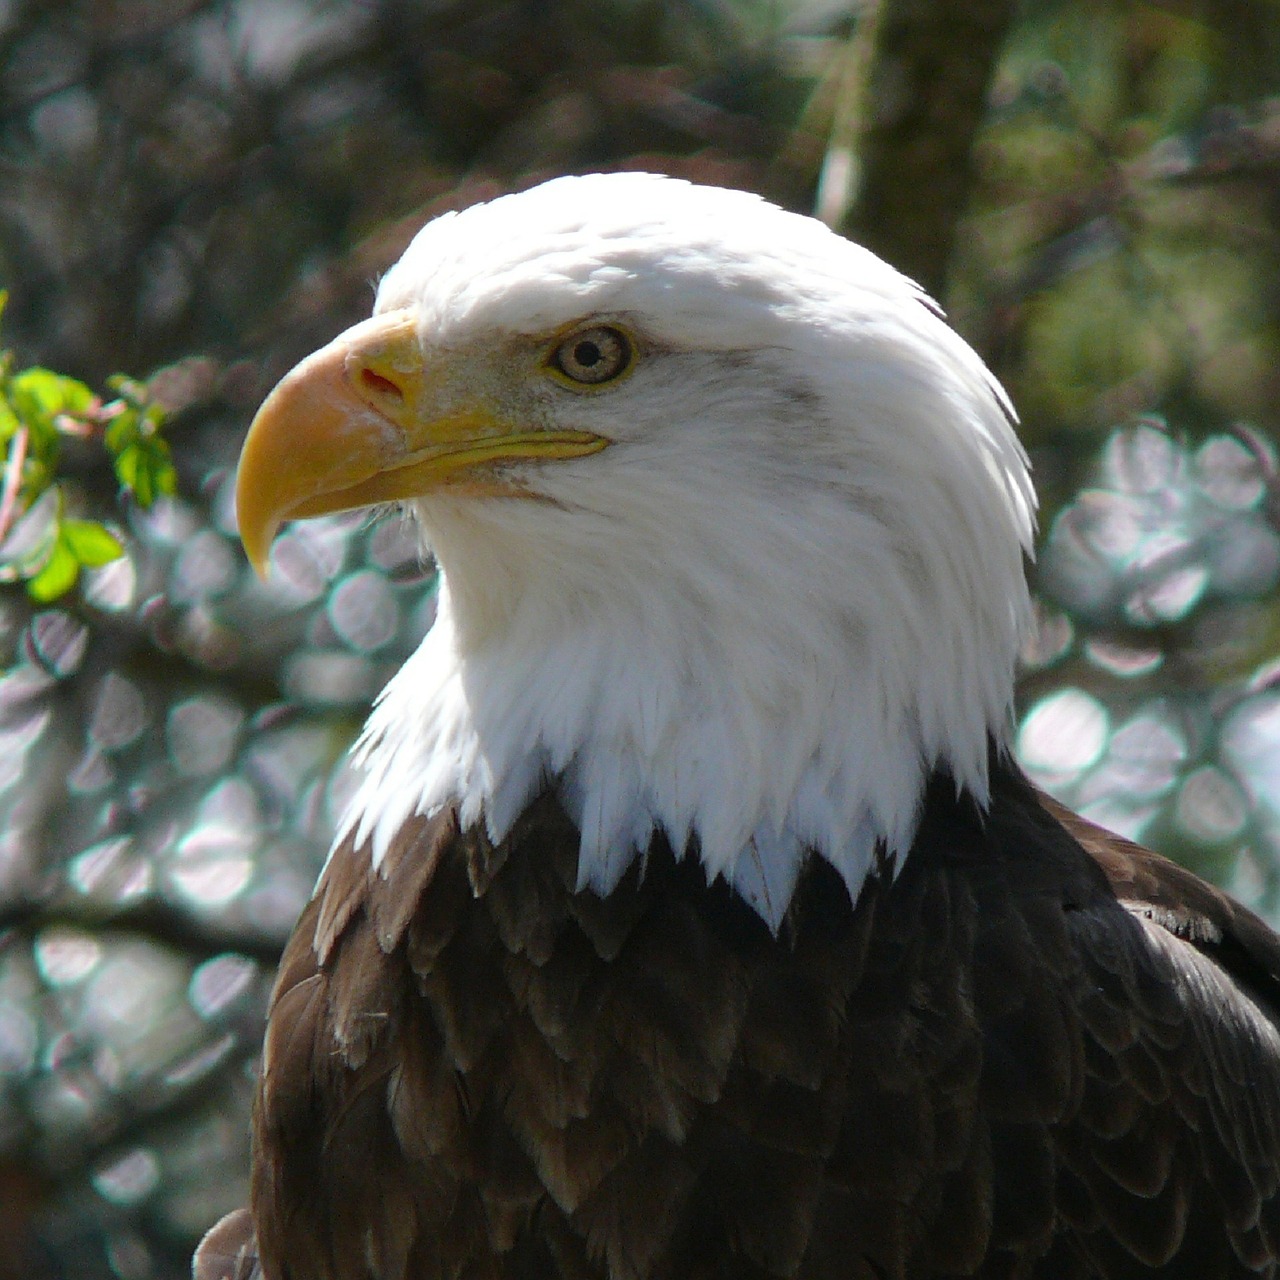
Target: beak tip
256, 537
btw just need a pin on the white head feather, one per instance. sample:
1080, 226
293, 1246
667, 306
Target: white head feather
789, 590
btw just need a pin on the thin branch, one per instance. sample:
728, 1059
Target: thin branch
159, 922
138, 1125
13, 478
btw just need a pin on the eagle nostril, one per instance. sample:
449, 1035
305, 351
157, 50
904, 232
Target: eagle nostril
377, 385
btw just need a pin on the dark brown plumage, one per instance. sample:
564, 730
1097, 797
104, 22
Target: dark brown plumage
1040, 1051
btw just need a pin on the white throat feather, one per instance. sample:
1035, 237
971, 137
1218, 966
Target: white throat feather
790, 590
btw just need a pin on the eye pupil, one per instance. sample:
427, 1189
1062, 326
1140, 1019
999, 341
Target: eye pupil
594, 356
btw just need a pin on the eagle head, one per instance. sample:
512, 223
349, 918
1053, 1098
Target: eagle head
730, 526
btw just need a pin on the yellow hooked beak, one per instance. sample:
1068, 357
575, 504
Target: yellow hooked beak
364, 421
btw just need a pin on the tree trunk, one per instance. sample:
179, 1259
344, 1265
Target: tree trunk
931, 69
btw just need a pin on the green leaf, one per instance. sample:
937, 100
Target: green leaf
91, 543
41, 393
145, 470
43, 548
9, 423
122, 431
57, 577
38, 396
128, 464
130, 390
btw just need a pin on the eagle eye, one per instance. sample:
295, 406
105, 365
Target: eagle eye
593, 356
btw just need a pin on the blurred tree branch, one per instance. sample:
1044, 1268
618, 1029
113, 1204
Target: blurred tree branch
188, 933
926, 95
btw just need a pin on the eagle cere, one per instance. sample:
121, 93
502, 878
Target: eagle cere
691, 917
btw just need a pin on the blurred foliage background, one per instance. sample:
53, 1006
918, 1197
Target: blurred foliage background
201, 191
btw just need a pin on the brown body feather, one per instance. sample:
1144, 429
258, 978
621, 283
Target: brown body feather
1040, 1051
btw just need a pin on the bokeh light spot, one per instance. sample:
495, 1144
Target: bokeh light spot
214, 861
1063, 734
113, 587
167, 520
363, 611
211, 878
1229, 473
1051, 638
1244, 559
1145, 755
111, 871
129, 1257
20, 686
1143, 459
66, 956
219, 983
328, 677
1168, 598
205, 640
92, 773
1249, 745
206, 566
1126, 661
200, 1063
129, 1178
19, 1039
202, 734
307, 557
1211, 808
58, 642
17, 737
119, 714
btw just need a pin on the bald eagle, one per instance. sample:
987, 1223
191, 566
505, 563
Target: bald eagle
692, 918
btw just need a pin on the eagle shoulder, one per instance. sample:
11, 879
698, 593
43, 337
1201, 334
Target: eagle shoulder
1171, 1162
